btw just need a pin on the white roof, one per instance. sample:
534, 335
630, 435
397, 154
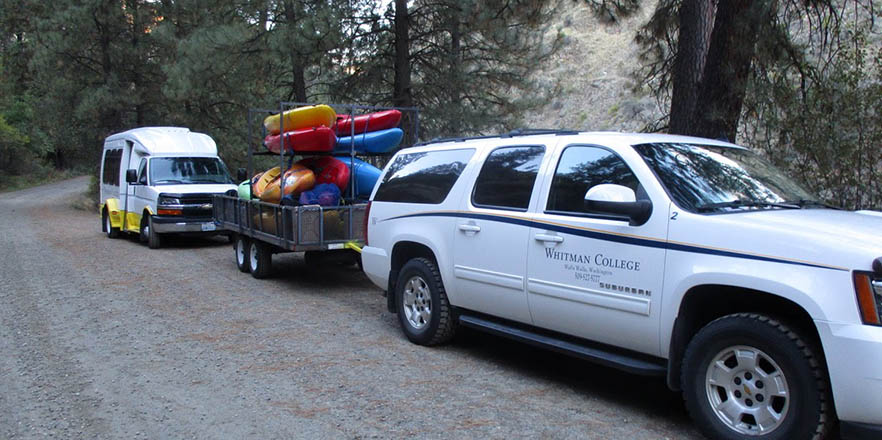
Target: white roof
158, 141
604, 137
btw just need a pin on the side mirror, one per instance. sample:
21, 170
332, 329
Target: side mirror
241, 175
132, 176
618, 200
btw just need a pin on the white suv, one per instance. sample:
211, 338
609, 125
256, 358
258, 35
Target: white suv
656, 254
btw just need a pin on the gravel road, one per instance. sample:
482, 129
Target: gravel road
105, 338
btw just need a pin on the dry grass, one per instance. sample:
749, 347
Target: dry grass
594, 74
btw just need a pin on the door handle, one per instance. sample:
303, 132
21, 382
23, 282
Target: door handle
469, 228
549, 238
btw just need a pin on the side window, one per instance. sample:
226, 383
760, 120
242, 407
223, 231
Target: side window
423, 177
112, 160
580, 169
507, 177
142, 172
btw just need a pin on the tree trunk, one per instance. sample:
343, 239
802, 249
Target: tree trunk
727, 68
401, 95
298, 70
696, 25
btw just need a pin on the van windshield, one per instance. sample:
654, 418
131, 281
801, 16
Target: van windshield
186, 170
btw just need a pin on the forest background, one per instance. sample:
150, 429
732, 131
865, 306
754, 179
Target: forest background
798, 80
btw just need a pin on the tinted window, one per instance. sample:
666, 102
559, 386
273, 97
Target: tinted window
112, 159
705, 178
422, 177
580, 169
507, 177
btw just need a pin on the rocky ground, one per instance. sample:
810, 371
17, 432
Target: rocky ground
105, 338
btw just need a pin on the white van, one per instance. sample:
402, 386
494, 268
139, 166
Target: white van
159, 180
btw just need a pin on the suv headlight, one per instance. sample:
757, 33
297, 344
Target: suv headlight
869, 296
168, 201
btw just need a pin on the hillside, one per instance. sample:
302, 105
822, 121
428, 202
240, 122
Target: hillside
593, 71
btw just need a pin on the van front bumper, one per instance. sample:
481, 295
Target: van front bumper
175, 224
854, 361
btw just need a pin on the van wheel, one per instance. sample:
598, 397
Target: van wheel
260, 259
154, 239
144, 233
748, 376
241, 248
110, 230
423, 309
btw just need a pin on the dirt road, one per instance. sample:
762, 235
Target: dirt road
105, 338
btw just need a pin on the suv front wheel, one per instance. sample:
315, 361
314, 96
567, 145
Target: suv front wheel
423, 308
749, 376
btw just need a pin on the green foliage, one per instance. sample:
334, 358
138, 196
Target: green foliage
827, 131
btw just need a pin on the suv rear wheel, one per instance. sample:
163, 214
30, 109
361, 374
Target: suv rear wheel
750, 376
423, 308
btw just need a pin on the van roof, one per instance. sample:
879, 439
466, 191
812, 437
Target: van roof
159, 141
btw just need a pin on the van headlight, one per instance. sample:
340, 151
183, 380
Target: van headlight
168, 201
869, 296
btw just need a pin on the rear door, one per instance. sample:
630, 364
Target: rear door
492, 233
593, 275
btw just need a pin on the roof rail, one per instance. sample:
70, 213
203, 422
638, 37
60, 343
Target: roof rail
513, 133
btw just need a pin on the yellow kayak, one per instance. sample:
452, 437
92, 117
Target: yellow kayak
302, 117
260, 183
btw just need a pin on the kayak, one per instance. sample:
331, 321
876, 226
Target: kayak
366, 176
260, 181
301, 117
368, 122
298, 178
328, 170
244, 190
375, 142
306, 140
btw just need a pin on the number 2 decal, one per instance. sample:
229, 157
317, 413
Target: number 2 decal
674, 215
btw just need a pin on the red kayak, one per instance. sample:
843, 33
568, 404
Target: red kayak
328, 170
367, 122
305, 140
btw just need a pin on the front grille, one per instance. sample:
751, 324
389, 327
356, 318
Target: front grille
196, 205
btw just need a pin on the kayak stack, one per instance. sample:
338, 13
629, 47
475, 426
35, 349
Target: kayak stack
318, 131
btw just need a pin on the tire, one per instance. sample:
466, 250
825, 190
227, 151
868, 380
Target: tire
154, 239
423, 309
260, 259
144, 233
110, 230
727, 385
241, 250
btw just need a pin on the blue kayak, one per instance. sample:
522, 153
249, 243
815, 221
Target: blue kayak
381, 141
366, 176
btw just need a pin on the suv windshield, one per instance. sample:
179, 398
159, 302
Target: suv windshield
702, 178
177, 170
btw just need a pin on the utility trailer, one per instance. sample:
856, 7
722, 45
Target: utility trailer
324, 233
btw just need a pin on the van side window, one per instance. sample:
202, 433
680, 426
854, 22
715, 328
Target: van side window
581, 168
112, 159
423, 177
142, 172
507, 177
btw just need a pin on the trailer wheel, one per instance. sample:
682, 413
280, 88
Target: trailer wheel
242, 257
108, 228
260, 259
